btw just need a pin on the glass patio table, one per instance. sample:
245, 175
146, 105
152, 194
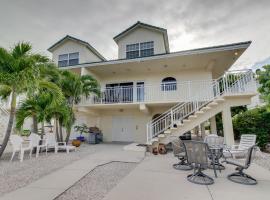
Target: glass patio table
217, 153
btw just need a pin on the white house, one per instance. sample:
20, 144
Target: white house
151, 94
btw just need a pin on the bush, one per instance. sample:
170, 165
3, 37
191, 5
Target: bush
255, 121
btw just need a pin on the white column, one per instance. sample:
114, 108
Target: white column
213, 125
203, 130
227, 126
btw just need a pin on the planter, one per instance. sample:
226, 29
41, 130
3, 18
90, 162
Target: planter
76, 143
81, 138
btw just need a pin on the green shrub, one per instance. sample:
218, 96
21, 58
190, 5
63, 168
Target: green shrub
255, 121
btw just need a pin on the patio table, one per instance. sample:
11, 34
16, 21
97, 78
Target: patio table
217, 153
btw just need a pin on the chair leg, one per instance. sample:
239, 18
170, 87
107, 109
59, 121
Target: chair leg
242, 178
199, 177
37, 153
13, 154
46, 150
21, 156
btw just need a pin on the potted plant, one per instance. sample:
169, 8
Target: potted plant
82, 129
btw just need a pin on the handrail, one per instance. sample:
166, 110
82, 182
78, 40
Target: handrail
232, 82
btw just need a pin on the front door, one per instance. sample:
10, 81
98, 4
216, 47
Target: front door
122, 129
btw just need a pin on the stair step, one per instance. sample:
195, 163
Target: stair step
186, 120
213, 104
161, 136
173, 128
219, 100
199, 112
192, 117
205, 108
154, 140
167, 131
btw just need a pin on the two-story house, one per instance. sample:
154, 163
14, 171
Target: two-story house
151, 94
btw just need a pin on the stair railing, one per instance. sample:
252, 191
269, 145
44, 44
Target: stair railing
231, 83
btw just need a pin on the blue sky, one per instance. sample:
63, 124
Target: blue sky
190, 23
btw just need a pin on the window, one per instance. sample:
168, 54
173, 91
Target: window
133, 51
147, 49
168, 84
139, 50
68, 59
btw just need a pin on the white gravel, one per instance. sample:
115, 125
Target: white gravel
14, 175
96, 184
263, 159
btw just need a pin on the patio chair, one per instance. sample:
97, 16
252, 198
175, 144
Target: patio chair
180, 153
240, 176
197, 155
38, 143
17, 146
52, 143
246, 141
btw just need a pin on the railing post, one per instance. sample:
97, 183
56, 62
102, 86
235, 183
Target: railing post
172, 119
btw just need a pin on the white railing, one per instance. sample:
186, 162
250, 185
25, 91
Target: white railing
170, 92
231, 83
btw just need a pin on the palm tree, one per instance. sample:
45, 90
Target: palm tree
18, 74
37, 106
74, 87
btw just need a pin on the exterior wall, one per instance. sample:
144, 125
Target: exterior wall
85, 55
141, 35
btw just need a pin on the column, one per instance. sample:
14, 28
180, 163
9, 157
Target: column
203, 130
213, 125
227, 126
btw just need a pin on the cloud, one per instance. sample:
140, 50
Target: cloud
190, 23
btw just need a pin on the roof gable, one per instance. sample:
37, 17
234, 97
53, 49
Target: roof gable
84, 43
146, 26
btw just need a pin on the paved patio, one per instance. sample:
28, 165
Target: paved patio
155, 179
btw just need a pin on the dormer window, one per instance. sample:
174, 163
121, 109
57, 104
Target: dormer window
137, 50
68, 59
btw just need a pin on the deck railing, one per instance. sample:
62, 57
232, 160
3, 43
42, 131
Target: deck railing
231, 83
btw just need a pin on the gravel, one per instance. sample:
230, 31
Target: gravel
14, 175
96, 184
263, 159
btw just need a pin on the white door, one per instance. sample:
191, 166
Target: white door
122, 129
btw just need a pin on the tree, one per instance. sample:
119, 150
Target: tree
18, 74
264, 81
74, 87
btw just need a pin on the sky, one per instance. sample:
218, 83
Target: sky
190, 23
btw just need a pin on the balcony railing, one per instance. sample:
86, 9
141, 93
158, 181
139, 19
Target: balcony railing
169, 92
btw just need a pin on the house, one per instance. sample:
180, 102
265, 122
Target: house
151, 94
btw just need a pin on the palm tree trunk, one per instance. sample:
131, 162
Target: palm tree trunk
35, 124
56, 130
42, 130
69, 129
60, 132
10, 123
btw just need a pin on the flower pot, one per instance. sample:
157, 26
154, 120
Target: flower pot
76, 143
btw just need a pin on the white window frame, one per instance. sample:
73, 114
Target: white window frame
140, 48
68, 58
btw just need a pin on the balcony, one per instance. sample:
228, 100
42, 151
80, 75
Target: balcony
184, 91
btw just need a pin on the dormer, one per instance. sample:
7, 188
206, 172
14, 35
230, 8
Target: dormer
142, 40
71, 51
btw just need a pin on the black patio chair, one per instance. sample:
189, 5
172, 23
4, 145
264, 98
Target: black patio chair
180, 152
240, 176
197, 155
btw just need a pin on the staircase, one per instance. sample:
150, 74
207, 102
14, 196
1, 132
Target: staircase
186, 115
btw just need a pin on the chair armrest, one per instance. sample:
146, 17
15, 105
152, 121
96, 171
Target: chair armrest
64, 143
235, 147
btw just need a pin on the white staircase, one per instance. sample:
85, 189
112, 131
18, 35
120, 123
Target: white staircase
187, 115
